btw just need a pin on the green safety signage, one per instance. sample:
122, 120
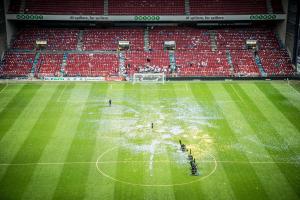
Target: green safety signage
29, 17
147, 18
262, 17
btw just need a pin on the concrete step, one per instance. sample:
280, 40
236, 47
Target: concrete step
146, 39
259, 65
187, 7
105, 6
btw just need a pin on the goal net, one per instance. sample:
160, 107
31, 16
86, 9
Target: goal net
149, 78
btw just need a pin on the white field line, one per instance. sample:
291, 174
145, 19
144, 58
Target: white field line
236, 92
186, 87
145, 161
3, 89
152, 89
121, 102
61, 94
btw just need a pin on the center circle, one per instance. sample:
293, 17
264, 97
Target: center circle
133, 170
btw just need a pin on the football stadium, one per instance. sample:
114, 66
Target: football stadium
150, 99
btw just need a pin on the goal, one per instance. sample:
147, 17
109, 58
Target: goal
149, 78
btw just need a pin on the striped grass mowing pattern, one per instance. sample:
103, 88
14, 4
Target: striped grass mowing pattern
63, 141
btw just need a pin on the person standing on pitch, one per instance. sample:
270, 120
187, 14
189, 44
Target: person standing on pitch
109, 102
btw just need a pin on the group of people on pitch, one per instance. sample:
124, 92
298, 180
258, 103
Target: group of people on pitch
192, 160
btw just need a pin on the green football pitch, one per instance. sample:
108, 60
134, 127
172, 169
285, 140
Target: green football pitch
63, 140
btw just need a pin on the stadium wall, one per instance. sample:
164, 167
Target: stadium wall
292, 29
280, 28
9, 25
2, 29
296, 58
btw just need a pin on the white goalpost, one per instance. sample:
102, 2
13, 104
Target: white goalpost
148, 78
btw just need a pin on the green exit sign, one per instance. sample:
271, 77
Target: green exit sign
147, 18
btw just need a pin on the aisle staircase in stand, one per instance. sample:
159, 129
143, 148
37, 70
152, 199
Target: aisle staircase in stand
259, 65
35, 62
213, 41
146, 39
187, 7
105, 6
229, 60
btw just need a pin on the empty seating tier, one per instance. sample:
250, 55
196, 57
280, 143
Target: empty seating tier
205, 63
185, 38
210, 7
92, 65
57, 39
49, 65
236, 38
244, 63
276, 62
16, 64
94, 52
80, 7
143, 62
146, 7
107, 39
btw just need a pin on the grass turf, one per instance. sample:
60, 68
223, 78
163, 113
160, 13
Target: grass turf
63, 141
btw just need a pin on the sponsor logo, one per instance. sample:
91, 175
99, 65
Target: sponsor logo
147, 18
29, 17
263, 17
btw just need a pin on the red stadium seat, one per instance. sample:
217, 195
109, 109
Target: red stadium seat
185, 38
57, 39
16, 64
211, 7
107, 39
49, 65
203, 63
92, 65
146, 7
143, 62
193, 54
80, 7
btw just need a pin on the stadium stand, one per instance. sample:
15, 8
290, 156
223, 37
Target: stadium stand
277, 6
185, 38
16, 64
57, 39
205, 63
143, 62
276, 62
49, 65
236, 38
206, 7
80, 7
92, 65
244, 63
194, 55
146, 7
107, 39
